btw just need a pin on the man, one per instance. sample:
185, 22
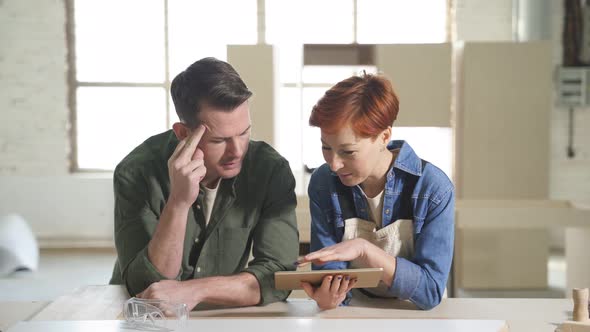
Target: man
193, 202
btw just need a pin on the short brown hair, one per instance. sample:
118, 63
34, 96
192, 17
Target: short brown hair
207, 82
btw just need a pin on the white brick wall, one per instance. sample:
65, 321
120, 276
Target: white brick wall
33, 92
492, 20
570, 178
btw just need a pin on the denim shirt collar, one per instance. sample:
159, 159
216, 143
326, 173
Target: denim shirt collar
406, 161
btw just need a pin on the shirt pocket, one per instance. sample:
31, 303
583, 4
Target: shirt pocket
233, 248
333, 218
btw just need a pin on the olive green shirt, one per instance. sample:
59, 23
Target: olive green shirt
253, 212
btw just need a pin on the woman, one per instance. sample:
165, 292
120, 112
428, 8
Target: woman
374, 203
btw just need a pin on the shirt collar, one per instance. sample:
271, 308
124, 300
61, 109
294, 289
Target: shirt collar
406, 160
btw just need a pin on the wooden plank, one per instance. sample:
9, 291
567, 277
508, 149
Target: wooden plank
12, 312
502, 129
106, 303
303, 218
520, 215
493, 258
255, 64
421, 77
571, 326
87, 303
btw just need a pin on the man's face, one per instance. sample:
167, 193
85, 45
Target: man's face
225, 142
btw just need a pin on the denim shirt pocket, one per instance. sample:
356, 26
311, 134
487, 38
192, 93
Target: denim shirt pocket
334, 218
336, 221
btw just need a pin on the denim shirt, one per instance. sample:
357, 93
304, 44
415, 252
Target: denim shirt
415, 189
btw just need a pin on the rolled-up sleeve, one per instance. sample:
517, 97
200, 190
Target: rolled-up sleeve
323, 232
275, 238
423, 279
134, 223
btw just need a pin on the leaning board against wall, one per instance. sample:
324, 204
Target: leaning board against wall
503, 103
256, 66
421, 76
502, 93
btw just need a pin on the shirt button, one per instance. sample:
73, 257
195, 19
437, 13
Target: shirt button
197, 240
198, 269
198, 207
387, 211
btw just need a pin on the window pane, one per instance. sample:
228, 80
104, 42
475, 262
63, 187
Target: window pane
333, 74
289, 126
401, 21
312, 147
290, 61
199, 29
113, 121
309, 21
430, 143
119, 41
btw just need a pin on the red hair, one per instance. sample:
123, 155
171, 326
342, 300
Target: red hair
367, 102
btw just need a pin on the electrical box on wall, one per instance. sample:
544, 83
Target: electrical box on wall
573, 87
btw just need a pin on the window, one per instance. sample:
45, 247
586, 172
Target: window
401, 21
309, 21
126, 54
421, 139
291, 24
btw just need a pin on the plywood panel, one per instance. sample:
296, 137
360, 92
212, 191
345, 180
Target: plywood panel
255, 64
421, 75
88, 302
303, 219
577, 247
501, 259
503, 107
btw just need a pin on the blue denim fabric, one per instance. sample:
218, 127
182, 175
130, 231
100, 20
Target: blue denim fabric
421, 279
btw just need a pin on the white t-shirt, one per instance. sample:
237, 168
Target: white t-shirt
375, 206
209, 200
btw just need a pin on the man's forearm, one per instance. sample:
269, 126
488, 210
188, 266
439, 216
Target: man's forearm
238, 290
166, 247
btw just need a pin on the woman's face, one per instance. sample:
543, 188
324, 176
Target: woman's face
354, 159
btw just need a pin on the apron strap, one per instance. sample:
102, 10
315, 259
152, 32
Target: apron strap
346, 200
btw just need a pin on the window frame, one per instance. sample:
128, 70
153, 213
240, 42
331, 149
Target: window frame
74, 84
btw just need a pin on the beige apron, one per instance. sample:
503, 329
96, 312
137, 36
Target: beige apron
396, 239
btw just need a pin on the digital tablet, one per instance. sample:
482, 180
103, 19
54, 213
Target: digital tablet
366, 278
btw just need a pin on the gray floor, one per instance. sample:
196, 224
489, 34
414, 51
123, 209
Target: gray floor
61, 271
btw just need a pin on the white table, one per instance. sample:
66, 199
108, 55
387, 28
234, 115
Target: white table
12, 312
283, 325
535, 315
